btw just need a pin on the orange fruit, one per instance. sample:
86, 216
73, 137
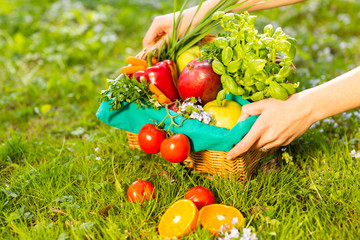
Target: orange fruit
213, 216
179, 219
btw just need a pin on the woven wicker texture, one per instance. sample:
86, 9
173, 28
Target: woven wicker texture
215, 162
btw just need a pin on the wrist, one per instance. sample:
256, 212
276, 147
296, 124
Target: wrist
305, 105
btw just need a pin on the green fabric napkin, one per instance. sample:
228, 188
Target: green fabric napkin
202, 136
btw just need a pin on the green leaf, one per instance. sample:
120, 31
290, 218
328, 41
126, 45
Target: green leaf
269, 30
284, 71
268, 41
230, 85
218, 15
260, 86
220, 97
227, 55
232, 41
290, 87
279, 34
239, 52
221, 42
277, 91
256, 64
292, 52
234, 66
257, 96
283, 46
228, 16
218, 67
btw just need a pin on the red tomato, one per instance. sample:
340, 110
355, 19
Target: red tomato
150, 138
200, 196
176, 148
174, 108
139, 191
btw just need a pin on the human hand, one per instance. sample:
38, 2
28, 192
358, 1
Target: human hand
279, 123
162, 27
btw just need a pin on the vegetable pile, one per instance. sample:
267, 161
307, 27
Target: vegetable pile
238, 61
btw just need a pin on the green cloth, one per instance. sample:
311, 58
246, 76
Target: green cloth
202, 136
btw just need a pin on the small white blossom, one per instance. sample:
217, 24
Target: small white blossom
190, 109
96, 149
98, 158
234, 233
345, 18
195, 115
355, 154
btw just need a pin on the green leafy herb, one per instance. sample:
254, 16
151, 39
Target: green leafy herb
251, 64
125, 89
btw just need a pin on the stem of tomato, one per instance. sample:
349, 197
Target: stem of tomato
172, 121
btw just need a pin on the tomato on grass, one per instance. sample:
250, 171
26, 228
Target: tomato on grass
150, 138
176, 148
139, 191
201, 196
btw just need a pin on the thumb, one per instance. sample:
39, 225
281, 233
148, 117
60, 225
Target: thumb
251, 109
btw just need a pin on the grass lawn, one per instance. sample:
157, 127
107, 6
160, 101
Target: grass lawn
64, 174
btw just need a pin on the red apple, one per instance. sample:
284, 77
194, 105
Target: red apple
198, 79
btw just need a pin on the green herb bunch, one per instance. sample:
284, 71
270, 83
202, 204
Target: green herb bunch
251, 64
125, 89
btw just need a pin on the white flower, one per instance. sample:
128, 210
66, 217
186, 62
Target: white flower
97, 149
234, 233
98, 158
195, 115
234, 220
355, 154
247, 235
345, 18
246, 231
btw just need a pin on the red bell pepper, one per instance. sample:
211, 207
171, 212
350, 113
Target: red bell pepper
164, 76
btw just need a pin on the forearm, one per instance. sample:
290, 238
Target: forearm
261, 4
336, 96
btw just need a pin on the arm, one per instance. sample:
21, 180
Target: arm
280, 122
162, 25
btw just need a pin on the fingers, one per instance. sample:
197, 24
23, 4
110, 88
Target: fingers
247, 142
160, 41
159, 27
251, 109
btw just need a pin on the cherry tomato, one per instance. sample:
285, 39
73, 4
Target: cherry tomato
200, 196
174, 107
139, 191
150, 138
176, 148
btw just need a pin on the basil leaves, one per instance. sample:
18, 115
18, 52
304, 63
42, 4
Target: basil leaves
251, 64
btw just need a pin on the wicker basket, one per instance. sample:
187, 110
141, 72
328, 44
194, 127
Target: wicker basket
213, 162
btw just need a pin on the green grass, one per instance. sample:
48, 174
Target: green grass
64, 174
